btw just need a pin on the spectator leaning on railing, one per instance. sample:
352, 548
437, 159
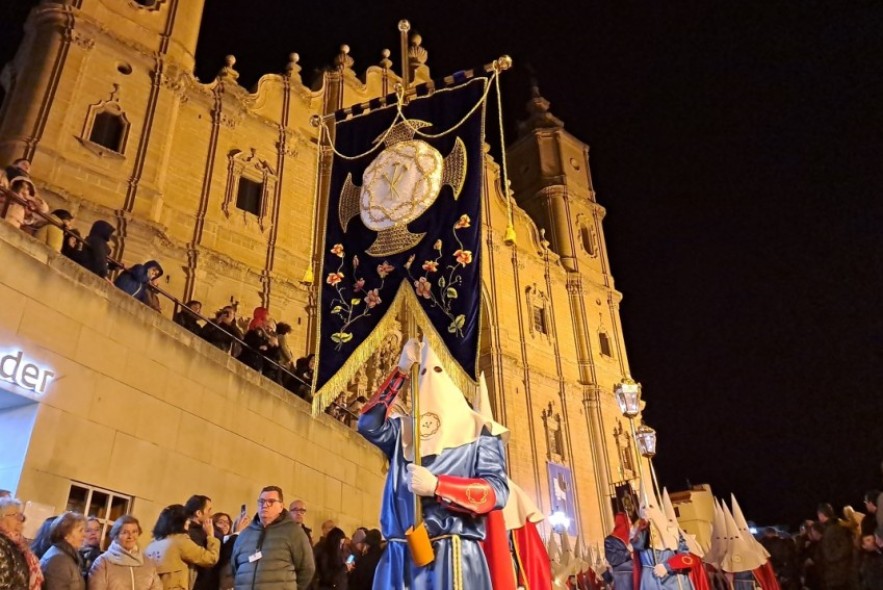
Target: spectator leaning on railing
136, 281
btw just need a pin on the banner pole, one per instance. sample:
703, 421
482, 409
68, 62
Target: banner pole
415, 417
404, 27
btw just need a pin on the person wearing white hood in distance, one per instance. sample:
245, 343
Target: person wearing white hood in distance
462, 478
665, 563
687, 542
715, 553
741, 558
122, 566
765, 574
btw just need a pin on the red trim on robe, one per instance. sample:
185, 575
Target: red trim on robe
535, 568
496, 551
766, 577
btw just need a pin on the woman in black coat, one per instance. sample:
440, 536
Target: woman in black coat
96, 250
331, 567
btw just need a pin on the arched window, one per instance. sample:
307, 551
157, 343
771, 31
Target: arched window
109, 130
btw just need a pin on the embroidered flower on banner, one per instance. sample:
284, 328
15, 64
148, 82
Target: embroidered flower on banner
348, 306
443, 289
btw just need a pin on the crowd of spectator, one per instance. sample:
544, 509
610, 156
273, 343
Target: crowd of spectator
259, 342
192, 548
831, 552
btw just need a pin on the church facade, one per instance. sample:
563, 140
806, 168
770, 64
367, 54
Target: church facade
223, 186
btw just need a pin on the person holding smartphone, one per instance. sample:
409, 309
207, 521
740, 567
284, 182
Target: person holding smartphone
226, 532
331, 564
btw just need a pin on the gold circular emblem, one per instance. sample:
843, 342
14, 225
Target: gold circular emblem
429, 424
688, 560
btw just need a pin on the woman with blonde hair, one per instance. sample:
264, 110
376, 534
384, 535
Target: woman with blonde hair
122, 566
61, 565
174, 552
19, 567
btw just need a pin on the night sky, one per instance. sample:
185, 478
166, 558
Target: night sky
738, 149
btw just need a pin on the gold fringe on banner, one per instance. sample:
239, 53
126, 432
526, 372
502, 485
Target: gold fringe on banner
405, 303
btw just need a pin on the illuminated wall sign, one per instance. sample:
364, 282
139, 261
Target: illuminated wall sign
14, 368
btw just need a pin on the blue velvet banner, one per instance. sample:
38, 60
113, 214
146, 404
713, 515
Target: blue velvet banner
403, 234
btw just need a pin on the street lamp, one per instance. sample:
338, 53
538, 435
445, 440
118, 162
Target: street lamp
646, 439
628, 396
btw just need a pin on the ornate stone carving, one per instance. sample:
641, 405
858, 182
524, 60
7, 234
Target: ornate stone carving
554, 434
80, 40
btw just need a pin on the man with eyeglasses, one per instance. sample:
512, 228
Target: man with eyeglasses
298, 512
272, 551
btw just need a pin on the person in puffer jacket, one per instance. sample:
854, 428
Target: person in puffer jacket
136, 280
273, 552
122, 566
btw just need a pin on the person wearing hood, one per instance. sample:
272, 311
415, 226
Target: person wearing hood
95, 253
837, 549
136, 280
122, 566
618, 552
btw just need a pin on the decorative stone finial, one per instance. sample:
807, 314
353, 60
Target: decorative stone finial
343, 61
227, 72
416, 53
538, 113
386, 63
293, 67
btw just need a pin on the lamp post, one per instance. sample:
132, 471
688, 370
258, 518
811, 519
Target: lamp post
646, 439
628, 396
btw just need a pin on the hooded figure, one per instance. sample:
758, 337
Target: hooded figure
461, 477
618, 552
96, 250
136, 280
665, 561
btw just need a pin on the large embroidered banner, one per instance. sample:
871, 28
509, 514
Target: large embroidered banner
403, 234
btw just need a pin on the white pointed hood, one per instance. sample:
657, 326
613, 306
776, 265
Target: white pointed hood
482, 404
446, 420
740, 555
742, 523
718, 538
662, 534
520, 508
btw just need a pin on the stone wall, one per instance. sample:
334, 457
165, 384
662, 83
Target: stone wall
140, 406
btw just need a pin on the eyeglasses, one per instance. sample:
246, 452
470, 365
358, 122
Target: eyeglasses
17, 515
270, 502
301, 510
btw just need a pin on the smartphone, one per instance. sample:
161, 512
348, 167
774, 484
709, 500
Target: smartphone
243, 510
351, 559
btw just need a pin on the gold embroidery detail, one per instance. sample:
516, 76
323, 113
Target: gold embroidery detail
429, 425
477, 488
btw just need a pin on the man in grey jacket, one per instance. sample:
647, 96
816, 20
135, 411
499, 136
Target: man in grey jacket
272, 552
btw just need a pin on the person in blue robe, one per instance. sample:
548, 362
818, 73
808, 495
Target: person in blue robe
457, 486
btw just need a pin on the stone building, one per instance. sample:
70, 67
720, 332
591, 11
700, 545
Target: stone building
219, 183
